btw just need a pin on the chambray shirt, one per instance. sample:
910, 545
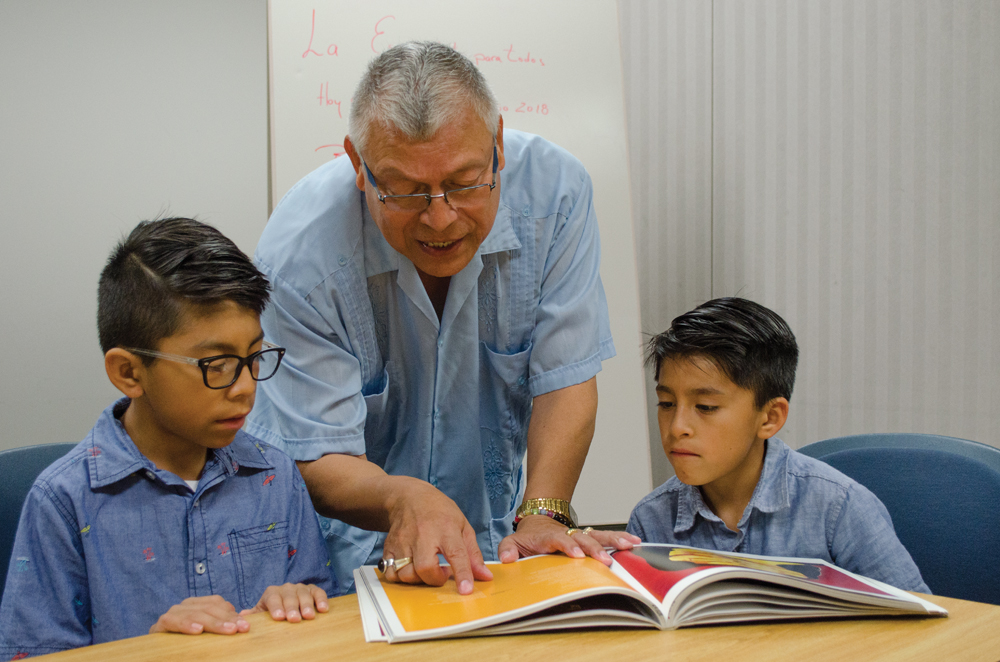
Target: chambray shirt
801, 507
107, 542
371, 369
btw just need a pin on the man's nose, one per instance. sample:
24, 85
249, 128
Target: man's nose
438, 215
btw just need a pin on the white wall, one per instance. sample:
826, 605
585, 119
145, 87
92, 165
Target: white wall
111, 112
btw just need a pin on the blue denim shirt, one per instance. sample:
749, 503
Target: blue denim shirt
107, 542
370, 368
801, 507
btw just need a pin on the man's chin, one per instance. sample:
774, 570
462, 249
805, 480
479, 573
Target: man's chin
442, 268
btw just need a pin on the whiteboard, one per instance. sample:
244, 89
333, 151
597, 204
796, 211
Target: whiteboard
555, 67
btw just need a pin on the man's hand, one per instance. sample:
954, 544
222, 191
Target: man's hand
538, 534
210, 613
291, 602
423, 523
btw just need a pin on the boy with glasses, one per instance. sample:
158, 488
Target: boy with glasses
167, 515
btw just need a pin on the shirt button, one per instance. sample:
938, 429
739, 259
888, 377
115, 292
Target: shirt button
437, 413
197, 501
199, 567
526, 211
520, 381
149, 475
434, 482
440, 342
342, 260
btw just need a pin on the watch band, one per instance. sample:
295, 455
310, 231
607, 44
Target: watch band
558, 509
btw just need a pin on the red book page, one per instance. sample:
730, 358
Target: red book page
660, 568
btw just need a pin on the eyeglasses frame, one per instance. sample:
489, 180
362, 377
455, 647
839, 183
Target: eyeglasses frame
203, 363
427, 196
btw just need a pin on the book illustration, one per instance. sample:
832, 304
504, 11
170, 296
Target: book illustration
659, 568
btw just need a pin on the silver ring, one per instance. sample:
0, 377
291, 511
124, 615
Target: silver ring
395, 564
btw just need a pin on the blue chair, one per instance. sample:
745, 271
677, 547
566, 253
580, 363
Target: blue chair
943, 495
19, 467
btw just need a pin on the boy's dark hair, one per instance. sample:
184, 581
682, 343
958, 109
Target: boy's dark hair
751, 344
161, 266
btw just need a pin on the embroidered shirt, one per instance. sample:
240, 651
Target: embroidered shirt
370, 368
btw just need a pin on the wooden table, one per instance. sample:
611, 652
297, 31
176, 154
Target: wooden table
971, 632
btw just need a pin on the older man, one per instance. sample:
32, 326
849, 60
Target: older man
439, 296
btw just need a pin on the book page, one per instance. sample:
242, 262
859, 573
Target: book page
525, 583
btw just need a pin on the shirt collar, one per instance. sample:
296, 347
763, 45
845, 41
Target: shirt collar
502, 237
770, 495
113, 456
380, 257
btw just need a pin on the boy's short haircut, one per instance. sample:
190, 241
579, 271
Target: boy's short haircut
162, 266
751, 344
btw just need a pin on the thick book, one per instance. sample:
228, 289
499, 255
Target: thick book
653, 586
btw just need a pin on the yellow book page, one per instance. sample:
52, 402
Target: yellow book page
514, 585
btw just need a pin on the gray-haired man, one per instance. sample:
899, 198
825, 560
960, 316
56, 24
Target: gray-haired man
438, 326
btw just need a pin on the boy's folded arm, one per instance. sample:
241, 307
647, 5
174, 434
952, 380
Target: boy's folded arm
209, 613
46, 605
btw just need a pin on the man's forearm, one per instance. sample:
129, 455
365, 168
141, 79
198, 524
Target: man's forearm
559, 436
354, 490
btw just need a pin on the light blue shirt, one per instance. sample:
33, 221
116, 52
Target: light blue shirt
107, 542
801, 507
369, 367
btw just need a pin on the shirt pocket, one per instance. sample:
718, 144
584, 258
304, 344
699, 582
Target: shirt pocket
380, 420
505, 409
261, 556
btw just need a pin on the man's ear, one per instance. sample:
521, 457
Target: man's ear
776, 413
352, 154
126, 371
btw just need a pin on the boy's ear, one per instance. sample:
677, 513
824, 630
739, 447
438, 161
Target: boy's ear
125, 370
776, 412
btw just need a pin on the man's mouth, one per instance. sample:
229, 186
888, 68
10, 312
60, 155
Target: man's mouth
438, 244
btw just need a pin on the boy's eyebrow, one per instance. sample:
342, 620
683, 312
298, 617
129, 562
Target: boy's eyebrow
704, 390
225, 347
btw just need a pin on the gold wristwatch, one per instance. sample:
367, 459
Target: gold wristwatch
558, 509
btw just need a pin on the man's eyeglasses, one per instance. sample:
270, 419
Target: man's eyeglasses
223, 370
467, 196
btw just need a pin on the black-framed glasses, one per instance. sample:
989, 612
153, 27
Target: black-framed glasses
467, 196
223, 370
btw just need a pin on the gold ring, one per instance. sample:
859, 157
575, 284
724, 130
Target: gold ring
570, 532
587, 531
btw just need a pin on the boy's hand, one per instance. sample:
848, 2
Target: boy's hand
291, 602
210, 613
538, 534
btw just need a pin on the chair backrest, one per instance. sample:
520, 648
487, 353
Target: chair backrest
943, 495
19, 467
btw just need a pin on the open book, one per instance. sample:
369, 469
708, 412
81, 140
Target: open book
659, 586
